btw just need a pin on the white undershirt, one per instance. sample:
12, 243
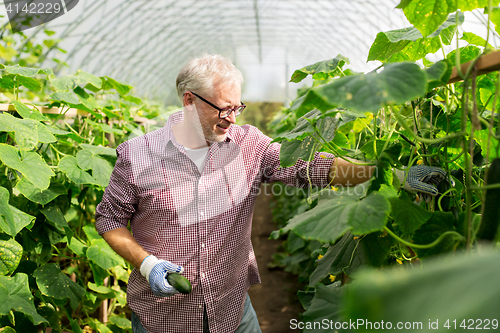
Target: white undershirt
198, 156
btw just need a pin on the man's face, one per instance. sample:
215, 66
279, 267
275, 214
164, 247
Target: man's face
225, 94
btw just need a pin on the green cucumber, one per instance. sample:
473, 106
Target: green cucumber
491, 209
179, 282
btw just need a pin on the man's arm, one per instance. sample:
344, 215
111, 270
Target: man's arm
123, 243
344, 173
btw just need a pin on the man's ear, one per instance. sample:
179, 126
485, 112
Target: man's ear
188, 100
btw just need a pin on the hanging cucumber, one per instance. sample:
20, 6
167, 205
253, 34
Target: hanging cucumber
491, 208
179, 282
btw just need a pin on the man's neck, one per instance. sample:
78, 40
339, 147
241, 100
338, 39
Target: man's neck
188, 136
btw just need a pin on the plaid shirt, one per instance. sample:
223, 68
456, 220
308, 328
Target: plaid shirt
199, 221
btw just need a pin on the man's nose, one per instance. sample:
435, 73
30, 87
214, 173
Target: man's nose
231, 118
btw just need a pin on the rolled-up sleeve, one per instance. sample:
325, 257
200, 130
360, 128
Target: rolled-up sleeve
119, 201
302, 174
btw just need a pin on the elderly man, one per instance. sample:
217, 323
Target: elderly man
189, 191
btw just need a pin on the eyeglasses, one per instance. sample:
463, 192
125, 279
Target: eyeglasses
224, 112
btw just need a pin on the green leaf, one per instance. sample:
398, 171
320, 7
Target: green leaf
104, 127
54, 215
434, 292
483, 138
37, 195
24, 71
428, 15
495, 18
392, 150
53, 282
395, 84
10, 256
294, 242
78, 247
7, 221
21, 219
133, 99
121, 88
337, 213
90, 79
28, 113
296, 149
73, 323
121, 322
25, 130
30, 164
67, 82
408, 215
409, 43
325, 306
98, 273
6, 121
30, 83
467, 53
474, 39
321, 70
349, 254
7, 82
91, 232
309, 102
86, 99
66, 97
439, 74
327, 126
305, 298
101, 289
438, 223
51, 313
101, 169
301, 130
103, 255
69, 165
291, 151
16, 295
403, 4
99, 150
44, 134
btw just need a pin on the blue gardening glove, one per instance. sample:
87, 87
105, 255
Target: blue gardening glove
423, 179
155, 271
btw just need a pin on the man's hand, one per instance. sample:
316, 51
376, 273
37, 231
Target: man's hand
156, 271
423, 179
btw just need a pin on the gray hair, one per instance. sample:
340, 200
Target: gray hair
199, 73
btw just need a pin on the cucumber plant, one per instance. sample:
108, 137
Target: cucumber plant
403, 113
55, 270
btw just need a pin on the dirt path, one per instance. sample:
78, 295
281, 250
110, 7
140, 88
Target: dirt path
275, 299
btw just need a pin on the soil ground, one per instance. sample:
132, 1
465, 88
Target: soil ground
275, 299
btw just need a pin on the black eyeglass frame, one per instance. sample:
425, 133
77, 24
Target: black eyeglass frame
237, 110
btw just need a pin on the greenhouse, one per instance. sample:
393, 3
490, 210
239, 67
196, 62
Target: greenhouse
263, 166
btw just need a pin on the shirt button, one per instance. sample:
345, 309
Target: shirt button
200, 306
201, 213
203, 245
202, 275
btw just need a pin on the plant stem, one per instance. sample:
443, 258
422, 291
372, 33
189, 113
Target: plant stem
468, 167
426, 246
402, 122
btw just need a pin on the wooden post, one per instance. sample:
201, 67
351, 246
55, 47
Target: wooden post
486, 64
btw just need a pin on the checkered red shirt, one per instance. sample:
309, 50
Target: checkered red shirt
199, 221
